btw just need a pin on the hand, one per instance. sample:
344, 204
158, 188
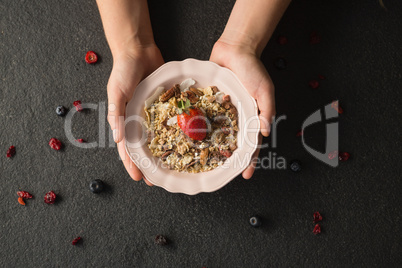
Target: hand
129, 68
253, 75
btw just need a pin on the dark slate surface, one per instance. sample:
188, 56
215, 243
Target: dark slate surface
42, 48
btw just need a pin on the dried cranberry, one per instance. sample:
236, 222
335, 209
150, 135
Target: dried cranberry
21, 201
300, 133
11, 151
332, 155
24, 194
282, 40
91, 57
321, 77
77, 105
225, 153
317, 229
314, 38
314, 84
343, 156
50, 197
80, 140
161, 240
55, 144
317, 217
335, 105
76, 240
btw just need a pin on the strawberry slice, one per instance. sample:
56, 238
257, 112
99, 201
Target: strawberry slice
192, 121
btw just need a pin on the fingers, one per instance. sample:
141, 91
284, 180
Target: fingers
249, 171
131, 168
116, 111
266, 105
147, 182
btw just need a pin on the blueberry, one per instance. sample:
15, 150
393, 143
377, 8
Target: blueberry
61, 110
295, 166
280, 63
96, 186
161, 240
255, 221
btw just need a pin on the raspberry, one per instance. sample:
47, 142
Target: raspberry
91, 57
11, 151
317, 229
161, 240
343, 156
282, 40
55, 144
314, 38
50, 197
314, 84
76, 240
77, 105
317, 217
24, 194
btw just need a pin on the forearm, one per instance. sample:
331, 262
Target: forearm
126, 23
252, 23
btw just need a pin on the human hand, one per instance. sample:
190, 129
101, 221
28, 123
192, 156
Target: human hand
129, 68
244, 62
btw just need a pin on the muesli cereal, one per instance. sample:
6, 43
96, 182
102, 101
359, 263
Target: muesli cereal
191, 129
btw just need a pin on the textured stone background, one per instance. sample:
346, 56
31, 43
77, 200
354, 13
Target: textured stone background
42, 48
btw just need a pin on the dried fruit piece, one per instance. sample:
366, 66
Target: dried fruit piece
332, 155
321, 77
61, 110
24, 194
280, 64
11, 151
343, 156
317, 217
21, 201
91, 57
80, 140
255, 221
225, 153
299, 134
314, 84
96, 186
50, 197
76, 240
335, 105
161, 240
295, 166
77, 105
317, 229
204, 156
314, 38
282, 40
55, 144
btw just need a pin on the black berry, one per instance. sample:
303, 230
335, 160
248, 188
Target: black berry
61, 110
280, 64
255, 221
96, 186
161, 240
295, 165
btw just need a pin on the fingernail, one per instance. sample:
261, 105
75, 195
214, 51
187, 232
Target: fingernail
115, 133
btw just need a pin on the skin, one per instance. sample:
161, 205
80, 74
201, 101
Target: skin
135, 55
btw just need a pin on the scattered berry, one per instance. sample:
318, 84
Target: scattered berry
335, 105
80, 140
21, 201
77, 105
280, 64
55, 144
50, 197
61, 110
314, 38
11, 151
91, 57
24, 194
295, 166
321, 77
332, 155
317, 229
282, 40
161, 240
343, 156
96, 186
300, 133
317, 217
314, 84
76, 240
255, 221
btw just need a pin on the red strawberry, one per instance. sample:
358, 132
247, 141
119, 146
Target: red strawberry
192, 121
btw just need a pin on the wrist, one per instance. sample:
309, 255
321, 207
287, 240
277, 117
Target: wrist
240, 42
131, 45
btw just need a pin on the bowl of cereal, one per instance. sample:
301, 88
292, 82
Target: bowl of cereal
191, 127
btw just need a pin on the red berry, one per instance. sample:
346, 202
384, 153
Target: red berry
55, 144
76, 240
332, 155
343, 156
50, 197
192, 121
24, 194
335, 105
80, 140
314, 84
321, 77
314, 38
91, 57
21, 201
11, 151
317, 217
300, 133
317, 229
77, 105
282, 40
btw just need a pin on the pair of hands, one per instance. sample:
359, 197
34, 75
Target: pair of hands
130, 67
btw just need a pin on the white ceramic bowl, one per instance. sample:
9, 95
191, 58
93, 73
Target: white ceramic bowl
205, 73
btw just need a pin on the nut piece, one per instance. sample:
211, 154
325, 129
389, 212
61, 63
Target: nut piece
197, 91
226, 98
204, 156
166, 154
211, 99
192, 97
214, 89
173, 92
